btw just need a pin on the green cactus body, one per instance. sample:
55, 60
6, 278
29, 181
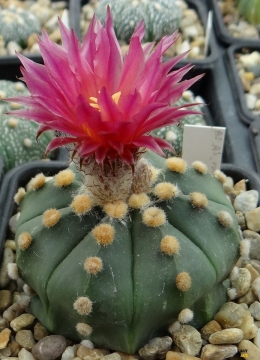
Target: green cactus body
17, 136
17, 25
250, 10
161, 17
117, 281
174, 133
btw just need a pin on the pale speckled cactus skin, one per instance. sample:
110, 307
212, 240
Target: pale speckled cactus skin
161, 17
135, 295
250, 10
17, 25
174, 133
17, 136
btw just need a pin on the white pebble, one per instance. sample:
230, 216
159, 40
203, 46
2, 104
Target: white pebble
12, 47
190, 32
257, 339
184, 46
25, 355
12, 271
250, 101
69, 353
250, 59
88, 344
256, 287
246, 201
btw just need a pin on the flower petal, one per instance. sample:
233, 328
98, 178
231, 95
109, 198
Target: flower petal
58, 142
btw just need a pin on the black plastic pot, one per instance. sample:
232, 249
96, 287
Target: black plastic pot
254, 131
221, 29
201, 10
215, 115
10, 65
13, 180
243, 112
21, 175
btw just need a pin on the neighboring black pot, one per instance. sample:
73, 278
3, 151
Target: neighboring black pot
254, 133
201, 10
239, 173
243, 112
21, 175
10, 65
13, 180
221, 29
210, 88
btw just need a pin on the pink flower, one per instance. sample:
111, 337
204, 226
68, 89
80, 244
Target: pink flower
106, 106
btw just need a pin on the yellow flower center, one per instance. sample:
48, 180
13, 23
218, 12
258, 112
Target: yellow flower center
94, 104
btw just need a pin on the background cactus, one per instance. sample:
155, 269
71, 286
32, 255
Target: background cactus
17, 25
161, 17
174, 133
17, 136
250, 10
131, 274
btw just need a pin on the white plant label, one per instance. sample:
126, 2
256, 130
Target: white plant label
203, 143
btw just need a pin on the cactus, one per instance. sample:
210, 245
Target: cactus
120, 282
250, 10
116, 251
161, 17
17, 136
17, 25
174, 133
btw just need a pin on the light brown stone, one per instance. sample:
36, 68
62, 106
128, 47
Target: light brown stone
5, 353
12, 312
5, 299
22, 322
172, 355
253, 353
39, 332
10, 244
91, 354
3, 324
4, 338
253, 272
125, 356
255, 310
253, 219
25, 339
241, 185
256, 340
230, 315
188, 339
248, 298
14, 347
113, 356
218, 352
248, 327
32, 39
226, 336
210, 328
156, 347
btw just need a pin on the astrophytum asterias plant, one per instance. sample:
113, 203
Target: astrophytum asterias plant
116, 251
